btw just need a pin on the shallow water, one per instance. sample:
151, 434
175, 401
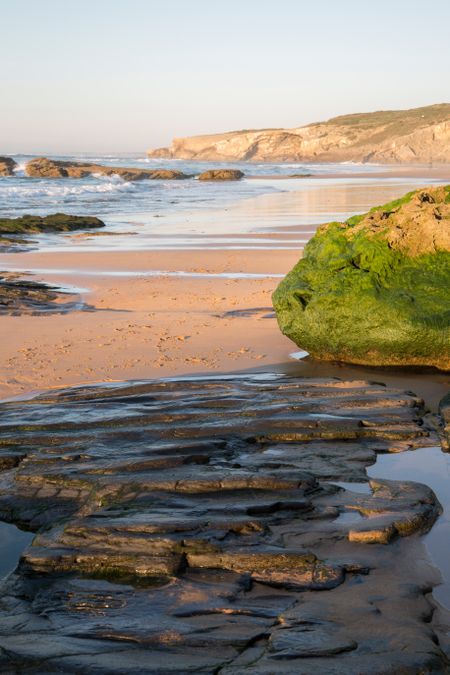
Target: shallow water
430, 466
12, 542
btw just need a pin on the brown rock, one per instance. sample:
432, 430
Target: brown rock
42, 167
221, 174
7, 166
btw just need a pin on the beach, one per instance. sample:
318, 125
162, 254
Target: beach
189, 482
189, 292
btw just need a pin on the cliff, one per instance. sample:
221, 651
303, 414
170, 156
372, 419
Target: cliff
419, 135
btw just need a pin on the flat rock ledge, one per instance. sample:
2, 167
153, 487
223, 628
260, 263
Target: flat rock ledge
19, 295
198, 525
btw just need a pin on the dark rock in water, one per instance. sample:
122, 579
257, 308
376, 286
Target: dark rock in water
444, 410
56, 222
375, 289
42, 167
23, 296
7, 166
191, 526
221, 174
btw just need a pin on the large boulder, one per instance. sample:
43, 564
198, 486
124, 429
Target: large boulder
376, 289
42, 167
221, 174
7, 166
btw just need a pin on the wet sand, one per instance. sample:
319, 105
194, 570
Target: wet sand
146, 327
149, 321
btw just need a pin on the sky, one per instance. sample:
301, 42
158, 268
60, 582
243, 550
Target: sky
128, 75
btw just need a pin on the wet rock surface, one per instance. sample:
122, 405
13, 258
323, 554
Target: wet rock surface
19, 295
197, 526
42, 167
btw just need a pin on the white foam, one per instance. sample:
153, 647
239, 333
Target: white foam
56, 191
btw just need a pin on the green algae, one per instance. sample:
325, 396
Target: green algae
357, 299
57, 222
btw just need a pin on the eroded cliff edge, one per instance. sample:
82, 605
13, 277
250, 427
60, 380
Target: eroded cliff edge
419, 135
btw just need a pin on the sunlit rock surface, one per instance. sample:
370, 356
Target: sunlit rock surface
196, 526
42, 167
7, 166
418, 135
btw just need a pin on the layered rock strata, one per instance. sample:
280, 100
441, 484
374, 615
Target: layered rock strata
419, 135
199, 526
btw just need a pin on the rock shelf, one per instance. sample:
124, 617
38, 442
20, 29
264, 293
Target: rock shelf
195, 525
19, 295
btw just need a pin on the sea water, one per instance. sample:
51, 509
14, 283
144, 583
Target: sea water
266, 210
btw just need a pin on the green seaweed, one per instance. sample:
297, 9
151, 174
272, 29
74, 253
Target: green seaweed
356, 299
57, 222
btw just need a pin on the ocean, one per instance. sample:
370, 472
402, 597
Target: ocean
267, 209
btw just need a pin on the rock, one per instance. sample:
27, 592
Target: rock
221, 174
23, 296
7, 166
374, 290
42, 167
56, 222
419, 135
444, 411
190, 526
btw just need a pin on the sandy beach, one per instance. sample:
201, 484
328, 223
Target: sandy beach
147, 327
145, 320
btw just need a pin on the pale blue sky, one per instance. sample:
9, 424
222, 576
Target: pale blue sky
126, 75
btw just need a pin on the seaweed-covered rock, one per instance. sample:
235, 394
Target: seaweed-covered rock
221, 174
56, 222
375, 289
42, 167
7, 166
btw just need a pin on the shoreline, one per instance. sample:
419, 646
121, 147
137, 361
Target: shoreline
146, 324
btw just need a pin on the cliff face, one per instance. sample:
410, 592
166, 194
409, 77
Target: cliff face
420, 135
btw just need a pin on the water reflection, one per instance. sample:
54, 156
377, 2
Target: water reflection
432, 467
12, 542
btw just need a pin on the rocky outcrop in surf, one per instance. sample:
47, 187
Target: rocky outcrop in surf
375, 289
221, 174
7, 166
419, 135
42, 167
